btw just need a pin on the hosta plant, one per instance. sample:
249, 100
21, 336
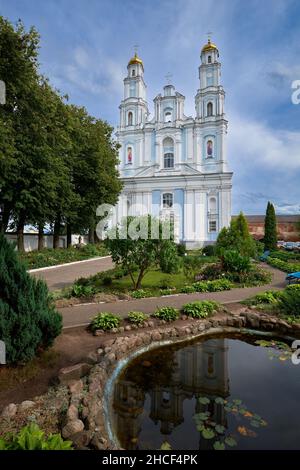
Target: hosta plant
105, 321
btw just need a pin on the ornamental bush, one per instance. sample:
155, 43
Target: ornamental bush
28, 319
283, 265
140, 294
200, 308
31, 437
79, 290
105, 321
289, 302
166, 313
137, 317
235, 262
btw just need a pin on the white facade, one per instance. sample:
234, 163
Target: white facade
173, 163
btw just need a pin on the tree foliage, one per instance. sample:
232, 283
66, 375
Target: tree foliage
28, 321
236, 237
270, 238
57, 163
137, 254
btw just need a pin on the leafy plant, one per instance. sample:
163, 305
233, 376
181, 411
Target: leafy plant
140, 294
105, 321
31, 437
169, 260
137, 317
268, 297
200, 308
166, 313
289, 302
187, 290
79, 290
167, 291
181, 249
209, 250
233, 261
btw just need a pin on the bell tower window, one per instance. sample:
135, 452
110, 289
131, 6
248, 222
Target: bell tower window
168, 116
209, 59
130, 118
209, 109
133, 73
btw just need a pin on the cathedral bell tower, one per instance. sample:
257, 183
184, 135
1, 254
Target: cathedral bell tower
210, 97
134, 108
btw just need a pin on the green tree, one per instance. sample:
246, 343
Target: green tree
236, 237
137, 251
28, 320
270, 238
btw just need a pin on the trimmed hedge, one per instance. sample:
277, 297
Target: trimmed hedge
283, 265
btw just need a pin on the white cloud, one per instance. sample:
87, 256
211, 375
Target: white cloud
254, 144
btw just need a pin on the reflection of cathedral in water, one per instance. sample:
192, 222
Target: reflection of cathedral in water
198, 370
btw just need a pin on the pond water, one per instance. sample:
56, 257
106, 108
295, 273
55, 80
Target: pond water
233, 392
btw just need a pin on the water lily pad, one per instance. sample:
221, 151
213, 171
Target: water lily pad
208, 433
203, 416
165, 446
237, 402
218, 445
200, 427
230, 441
204, 400
220, 429
255, 423
219, 400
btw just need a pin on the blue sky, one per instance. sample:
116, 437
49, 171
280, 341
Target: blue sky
85, 47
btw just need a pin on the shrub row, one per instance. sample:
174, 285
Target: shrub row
283, 265
199, 309
208, 286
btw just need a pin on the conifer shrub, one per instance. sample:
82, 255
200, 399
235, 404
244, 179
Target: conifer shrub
28, 320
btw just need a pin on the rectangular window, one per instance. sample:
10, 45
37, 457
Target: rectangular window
212, 225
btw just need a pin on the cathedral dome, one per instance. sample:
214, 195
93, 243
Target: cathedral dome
136, 60
209, 47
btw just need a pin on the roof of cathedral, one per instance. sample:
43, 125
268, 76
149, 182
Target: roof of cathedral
209, 46
135, 60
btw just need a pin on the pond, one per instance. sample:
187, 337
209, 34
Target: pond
233, 392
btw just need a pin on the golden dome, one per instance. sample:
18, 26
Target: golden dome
135, 60
209, 47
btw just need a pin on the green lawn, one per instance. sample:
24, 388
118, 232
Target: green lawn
154, 279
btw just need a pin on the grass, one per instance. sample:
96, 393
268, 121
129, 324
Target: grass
50, 257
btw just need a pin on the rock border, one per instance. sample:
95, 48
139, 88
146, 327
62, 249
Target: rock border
87, 421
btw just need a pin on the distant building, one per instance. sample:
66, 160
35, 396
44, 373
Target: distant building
287, 226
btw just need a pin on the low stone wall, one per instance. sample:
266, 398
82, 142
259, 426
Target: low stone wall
86, 422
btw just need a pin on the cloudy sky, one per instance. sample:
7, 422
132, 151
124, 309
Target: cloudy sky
85, 47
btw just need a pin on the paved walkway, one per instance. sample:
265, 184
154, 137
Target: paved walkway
82, 314
58, 277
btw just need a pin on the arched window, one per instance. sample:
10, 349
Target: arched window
167, 200
209, 59
133, 73
130, 118
168, 116
209, 149
168, 149
209, 109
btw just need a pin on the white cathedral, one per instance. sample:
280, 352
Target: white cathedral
173, 165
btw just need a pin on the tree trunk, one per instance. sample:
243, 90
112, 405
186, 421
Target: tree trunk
41, 237
5, 214
91, 235
139, 279
56, 233
69, 235
20, 233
